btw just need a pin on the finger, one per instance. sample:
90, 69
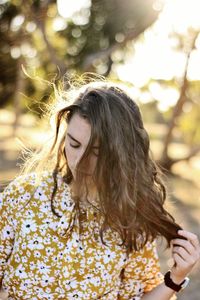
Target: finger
184, 243
191, 237
191, 260
179, 261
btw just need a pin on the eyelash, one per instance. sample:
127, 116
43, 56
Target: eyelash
73, 146
77, 146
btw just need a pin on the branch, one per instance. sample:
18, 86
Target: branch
179, 105
167, 164
191, 154
130, 36
38, 15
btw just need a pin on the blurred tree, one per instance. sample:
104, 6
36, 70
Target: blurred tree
95, 38
175, 119
31, 34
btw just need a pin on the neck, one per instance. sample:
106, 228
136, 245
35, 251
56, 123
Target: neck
91, 194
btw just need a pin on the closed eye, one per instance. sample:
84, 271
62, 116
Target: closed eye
74, 146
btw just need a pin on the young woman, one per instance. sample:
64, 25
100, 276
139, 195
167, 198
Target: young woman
83, 224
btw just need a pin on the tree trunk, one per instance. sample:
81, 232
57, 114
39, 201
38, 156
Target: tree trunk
19, 89
166, 161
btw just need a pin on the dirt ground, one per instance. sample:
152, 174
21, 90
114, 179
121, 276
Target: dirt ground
183, 187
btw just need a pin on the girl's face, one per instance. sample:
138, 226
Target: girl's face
76, 140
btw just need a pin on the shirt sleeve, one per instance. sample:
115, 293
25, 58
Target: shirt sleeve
141, 273
10, 199
6, 225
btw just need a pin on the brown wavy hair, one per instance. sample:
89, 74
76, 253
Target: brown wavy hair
129, 182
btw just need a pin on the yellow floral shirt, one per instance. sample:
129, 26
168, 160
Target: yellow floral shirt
46, 257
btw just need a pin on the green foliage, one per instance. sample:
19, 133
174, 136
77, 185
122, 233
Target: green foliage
84, 42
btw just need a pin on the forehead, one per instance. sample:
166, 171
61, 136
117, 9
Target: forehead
79, 128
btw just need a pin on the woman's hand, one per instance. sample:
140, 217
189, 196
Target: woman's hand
185, 253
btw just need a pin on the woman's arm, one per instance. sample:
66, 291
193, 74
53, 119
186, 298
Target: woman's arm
185, 253
161, 292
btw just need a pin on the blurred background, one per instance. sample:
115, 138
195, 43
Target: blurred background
153, 46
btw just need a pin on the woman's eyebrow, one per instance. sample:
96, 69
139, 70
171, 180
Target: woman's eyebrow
73, 138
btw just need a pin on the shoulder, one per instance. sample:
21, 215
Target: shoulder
149, 250
22, 187
29, 180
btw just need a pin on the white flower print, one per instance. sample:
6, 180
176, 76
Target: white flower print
40, 215
151, 262
144, 260
53, 225
30, 213
109, 255
39, 194
28, 226
26, 196
24, 285
43, 231
49, 251
45, 207
23, 246
43, 295
65, 272
43, 268
24, 259
21, 189
99, 265
137, 270
47, 240
81, 271
105, 275
96, 281
46, 280
17, 258
90, 260
84, 285
55, 238
7, 233
139, 288
20, 272
60, 255
76, 295
48, 291
2, 262
32, 265
36, 243
94, 294
73, 284
37, 254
